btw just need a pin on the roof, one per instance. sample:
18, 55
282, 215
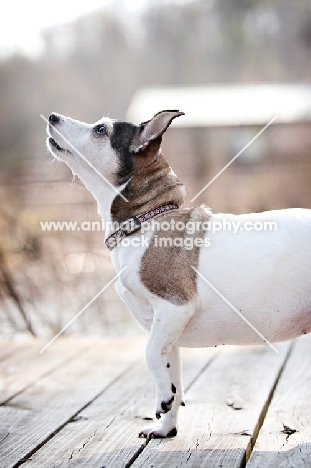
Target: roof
226, 105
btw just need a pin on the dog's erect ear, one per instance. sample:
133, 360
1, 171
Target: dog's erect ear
153, 129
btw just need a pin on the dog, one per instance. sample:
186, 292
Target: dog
181, 292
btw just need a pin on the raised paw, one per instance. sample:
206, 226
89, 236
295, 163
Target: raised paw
157, 432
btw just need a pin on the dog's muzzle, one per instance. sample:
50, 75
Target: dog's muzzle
54, 145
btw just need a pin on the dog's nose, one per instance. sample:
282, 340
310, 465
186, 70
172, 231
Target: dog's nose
54, 118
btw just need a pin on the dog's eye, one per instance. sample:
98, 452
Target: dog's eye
101, 130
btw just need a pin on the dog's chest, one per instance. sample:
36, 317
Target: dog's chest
139, 307
129, 285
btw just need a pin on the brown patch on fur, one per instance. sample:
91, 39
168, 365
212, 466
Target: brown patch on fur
166, 270
151, 185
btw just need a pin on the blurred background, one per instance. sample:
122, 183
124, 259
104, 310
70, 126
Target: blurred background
231, 66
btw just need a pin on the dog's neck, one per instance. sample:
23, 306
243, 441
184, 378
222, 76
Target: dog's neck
103, 193
152, 185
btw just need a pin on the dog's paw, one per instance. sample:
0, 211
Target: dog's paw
157, 432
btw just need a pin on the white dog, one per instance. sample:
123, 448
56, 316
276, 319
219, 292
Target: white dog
179, 283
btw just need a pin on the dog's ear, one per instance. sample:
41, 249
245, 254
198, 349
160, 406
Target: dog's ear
153, 129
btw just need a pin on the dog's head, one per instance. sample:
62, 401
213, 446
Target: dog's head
113, 148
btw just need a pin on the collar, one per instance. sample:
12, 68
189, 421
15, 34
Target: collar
133, 224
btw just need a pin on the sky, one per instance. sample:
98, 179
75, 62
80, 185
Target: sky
22, 20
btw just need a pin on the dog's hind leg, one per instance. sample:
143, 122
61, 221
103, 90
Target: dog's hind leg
163, 359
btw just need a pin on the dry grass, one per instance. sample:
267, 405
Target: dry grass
47, 277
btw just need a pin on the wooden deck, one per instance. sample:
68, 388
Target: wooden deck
83, 402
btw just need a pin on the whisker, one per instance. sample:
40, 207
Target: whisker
73, 180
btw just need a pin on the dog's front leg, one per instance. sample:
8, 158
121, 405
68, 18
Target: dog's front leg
174, 366
163, 359
169, 420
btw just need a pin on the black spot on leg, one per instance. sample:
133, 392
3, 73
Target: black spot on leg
170, 401
173, 388
182, 403
168, 365
172, 432
165, 405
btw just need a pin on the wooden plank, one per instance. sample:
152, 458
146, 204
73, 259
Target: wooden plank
285, 437
213, 433
9, 348
51, 401
25, 364
106, 433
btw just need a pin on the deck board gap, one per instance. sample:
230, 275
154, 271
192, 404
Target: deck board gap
136, 455
265, 408
71, 419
